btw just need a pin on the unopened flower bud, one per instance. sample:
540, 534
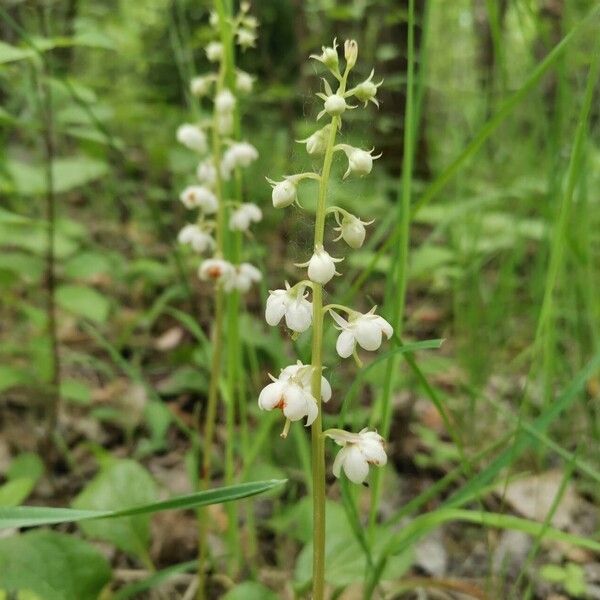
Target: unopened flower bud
284, 192
366, 91
225, 123
335, 105
244, 82
321, 266
192, 137
352, 231
350, 53
360, 162
200, 86
224, 101
328, 56
246, 38
214, 51
317, 142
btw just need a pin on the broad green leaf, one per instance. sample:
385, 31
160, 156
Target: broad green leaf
35, 239
75, 391
14, 492
52, 565
87, 264
69, 173
184, 379
12, 218
250, 590
11, 377
83, 301
10, 53
122, 484
32, 516
27, 464
23, 264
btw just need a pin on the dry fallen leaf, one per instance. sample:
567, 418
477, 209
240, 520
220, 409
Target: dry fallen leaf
169, 339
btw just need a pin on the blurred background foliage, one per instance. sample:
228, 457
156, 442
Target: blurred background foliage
502, 264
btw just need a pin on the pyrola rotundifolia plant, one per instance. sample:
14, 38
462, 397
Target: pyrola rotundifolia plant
221, 219
300, 390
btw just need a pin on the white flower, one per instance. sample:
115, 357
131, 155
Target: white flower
291, 393
350, 53
239, 154
292, 304
317, 142
303, 375
284, 192
207, 173
360, 162
321, 266
192, 137
198, 196
351, 229
358, 452
366, 91
244, 82
242, 278
241, 218
224, 123
335, 105
216, 269
214, 51
366, 329
196, 237
224, 101
329, 56
246, 38
200, 86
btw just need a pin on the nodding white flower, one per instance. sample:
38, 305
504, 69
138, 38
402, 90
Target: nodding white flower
200, 86
321, 266
216, 269
198, 196
192, 137
224, 123
366, 329
196, 237
303, 375
350, 53
335, 104
241, 218
246, 38
242, 278
289, 393
359, 450
317, 142
206, 173
224, 101
292, 304
213, 18
351, 229
360, 162
239, 154
284, 192
366, 91
244, 82
329, 56
214, 51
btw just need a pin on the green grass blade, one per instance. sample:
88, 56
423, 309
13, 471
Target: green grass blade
30, 516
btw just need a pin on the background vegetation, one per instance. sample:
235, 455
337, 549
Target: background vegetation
499, 427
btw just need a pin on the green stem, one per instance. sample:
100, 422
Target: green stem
318, 442
400, 278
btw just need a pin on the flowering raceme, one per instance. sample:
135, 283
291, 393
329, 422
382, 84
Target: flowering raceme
292, 304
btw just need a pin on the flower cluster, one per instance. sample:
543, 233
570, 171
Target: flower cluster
292, 392
218, 165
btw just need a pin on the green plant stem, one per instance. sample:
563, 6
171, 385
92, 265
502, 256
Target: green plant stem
397, 289
317, 440
217, 351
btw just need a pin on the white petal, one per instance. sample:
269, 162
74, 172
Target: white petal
298, 316
345, 344
355, 465
373, 452
367, 333
271, 396
339, 461
339, 319
312, 409
294, 402
385, 327
325, 390
275, 308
